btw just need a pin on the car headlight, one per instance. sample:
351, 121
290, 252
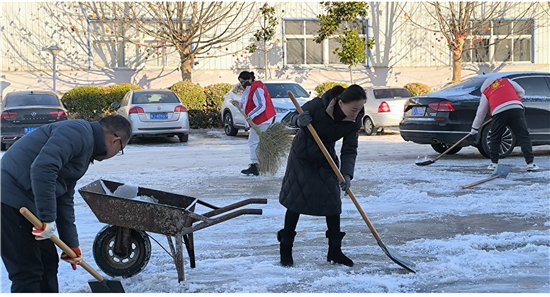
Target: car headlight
281, 110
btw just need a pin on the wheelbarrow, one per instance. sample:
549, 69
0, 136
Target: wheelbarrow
122, 248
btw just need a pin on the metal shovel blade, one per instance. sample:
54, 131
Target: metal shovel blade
396, 258
501, 171
424, 163
106, 286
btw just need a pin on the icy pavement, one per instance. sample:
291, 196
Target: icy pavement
493, 237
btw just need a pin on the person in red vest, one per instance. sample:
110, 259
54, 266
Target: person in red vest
258, 107
503, 97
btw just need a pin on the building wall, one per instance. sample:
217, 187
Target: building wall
403, 52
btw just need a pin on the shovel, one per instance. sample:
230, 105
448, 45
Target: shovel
428, 162
390, 253
499, 172
101, 285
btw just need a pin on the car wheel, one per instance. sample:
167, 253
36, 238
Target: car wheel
506, 145
368, 126
441, 148
228, 125
183, 137
114, 264
4, 147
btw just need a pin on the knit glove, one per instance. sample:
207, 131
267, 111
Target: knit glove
73, 261
344, 185
46, 232
303, 119
474, 131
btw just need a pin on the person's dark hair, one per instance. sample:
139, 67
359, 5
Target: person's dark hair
336, 91
246, 75
116, 124
353, 93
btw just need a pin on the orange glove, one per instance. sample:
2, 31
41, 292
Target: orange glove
73, 261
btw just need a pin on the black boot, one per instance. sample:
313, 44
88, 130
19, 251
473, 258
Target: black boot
286, 238
252, 169
334, 249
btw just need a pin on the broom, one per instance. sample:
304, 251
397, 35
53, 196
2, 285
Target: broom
273, 146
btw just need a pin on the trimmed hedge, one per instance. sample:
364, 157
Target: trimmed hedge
91, 103
417, 88
322, 88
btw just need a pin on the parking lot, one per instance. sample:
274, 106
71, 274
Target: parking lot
489, 238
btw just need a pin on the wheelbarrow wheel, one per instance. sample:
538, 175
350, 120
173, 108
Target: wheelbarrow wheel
115, 265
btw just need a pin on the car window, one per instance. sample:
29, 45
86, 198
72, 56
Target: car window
279, 90
471, 86
34, 99
534, 86
154, 98
391, 93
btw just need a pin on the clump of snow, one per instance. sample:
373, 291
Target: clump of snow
126, 191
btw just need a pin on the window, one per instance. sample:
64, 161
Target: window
534, 86
499, 40
27, 100
154, 98
391, 93
300, 49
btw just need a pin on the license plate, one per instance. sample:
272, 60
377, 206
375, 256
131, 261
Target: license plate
30, 129
418, 111
159, 116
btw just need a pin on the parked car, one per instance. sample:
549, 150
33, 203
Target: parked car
384, 108
155, 112
444, 117
25, 111
233, 120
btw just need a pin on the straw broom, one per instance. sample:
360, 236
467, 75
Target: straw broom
273, 146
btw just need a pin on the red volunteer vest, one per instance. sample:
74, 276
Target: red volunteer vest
269, 111
499, 92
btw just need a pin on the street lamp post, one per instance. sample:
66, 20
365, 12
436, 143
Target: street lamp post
54, 50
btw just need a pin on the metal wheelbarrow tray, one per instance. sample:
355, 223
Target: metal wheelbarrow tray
123, 248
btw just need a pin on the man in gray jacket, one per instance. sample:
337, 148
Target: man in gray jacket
40, 172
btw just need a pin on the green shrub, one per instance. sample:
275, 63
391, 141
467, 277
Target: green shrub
214, 94
191, 95
91, 103
417, 88
322, 88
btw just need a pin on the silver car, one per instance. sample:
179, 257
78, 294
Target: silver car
155, 112
233, 120
384, 108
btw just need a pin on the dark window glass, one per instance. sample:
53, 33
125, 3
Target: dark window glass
391, 93
154, 98
360, 25
534, 86
502, 27
523, 27
312, 27
332, 46
29, 100
295, 50
280, 90
294, 27
314, 53
522, 49
480, 52
503, 50
467, 84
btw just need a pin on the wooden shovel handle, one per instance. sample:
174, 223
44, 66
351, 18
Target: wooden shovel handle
335, 168
480, 182
38, 224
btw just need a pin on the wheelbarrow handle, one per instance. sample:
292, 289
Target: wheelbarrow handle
39, 225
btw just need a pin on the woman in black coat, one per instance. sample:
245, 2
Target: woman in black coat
310, 186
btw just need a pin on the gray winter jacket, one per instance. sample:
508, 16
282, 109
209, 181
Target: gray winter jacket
310, 186
40, 171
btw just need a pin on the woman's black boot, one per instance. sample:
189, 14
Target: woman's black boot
334, 249
286, 238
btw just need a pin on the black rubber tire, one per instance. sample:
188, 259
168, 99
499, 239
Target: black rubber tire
368, 126
116, 266
183, 137
228, 127
506, 146
441, 148
3, 147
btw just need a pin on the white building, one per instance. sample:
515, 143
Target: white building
405, 51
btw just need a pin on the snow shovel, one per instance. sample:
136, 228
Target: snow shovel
500, 171
101, 285
428, 162
390, 253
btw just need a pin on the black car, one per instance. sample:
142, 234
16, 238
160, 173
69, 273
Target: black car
24, 111
442, 118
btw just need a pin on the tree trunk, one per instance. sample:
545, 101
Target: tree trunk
266, 66
350, 76
186, 64
457, 60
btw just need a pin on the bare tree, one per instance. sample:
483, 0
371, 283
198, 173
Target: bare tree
192, 28
462, 22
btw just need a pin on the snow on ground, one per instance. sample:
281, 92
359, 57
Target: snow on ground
493, 237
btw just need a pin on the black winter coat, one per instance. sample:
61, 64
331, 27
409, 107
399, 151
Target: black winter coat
310, 186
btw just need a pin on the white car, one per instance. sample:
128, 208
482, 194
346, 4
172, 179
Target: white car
384, 108
155, 112
233, 120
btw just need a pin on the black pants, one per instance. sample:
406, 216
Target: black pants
291, 220
515, 119
31, 264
